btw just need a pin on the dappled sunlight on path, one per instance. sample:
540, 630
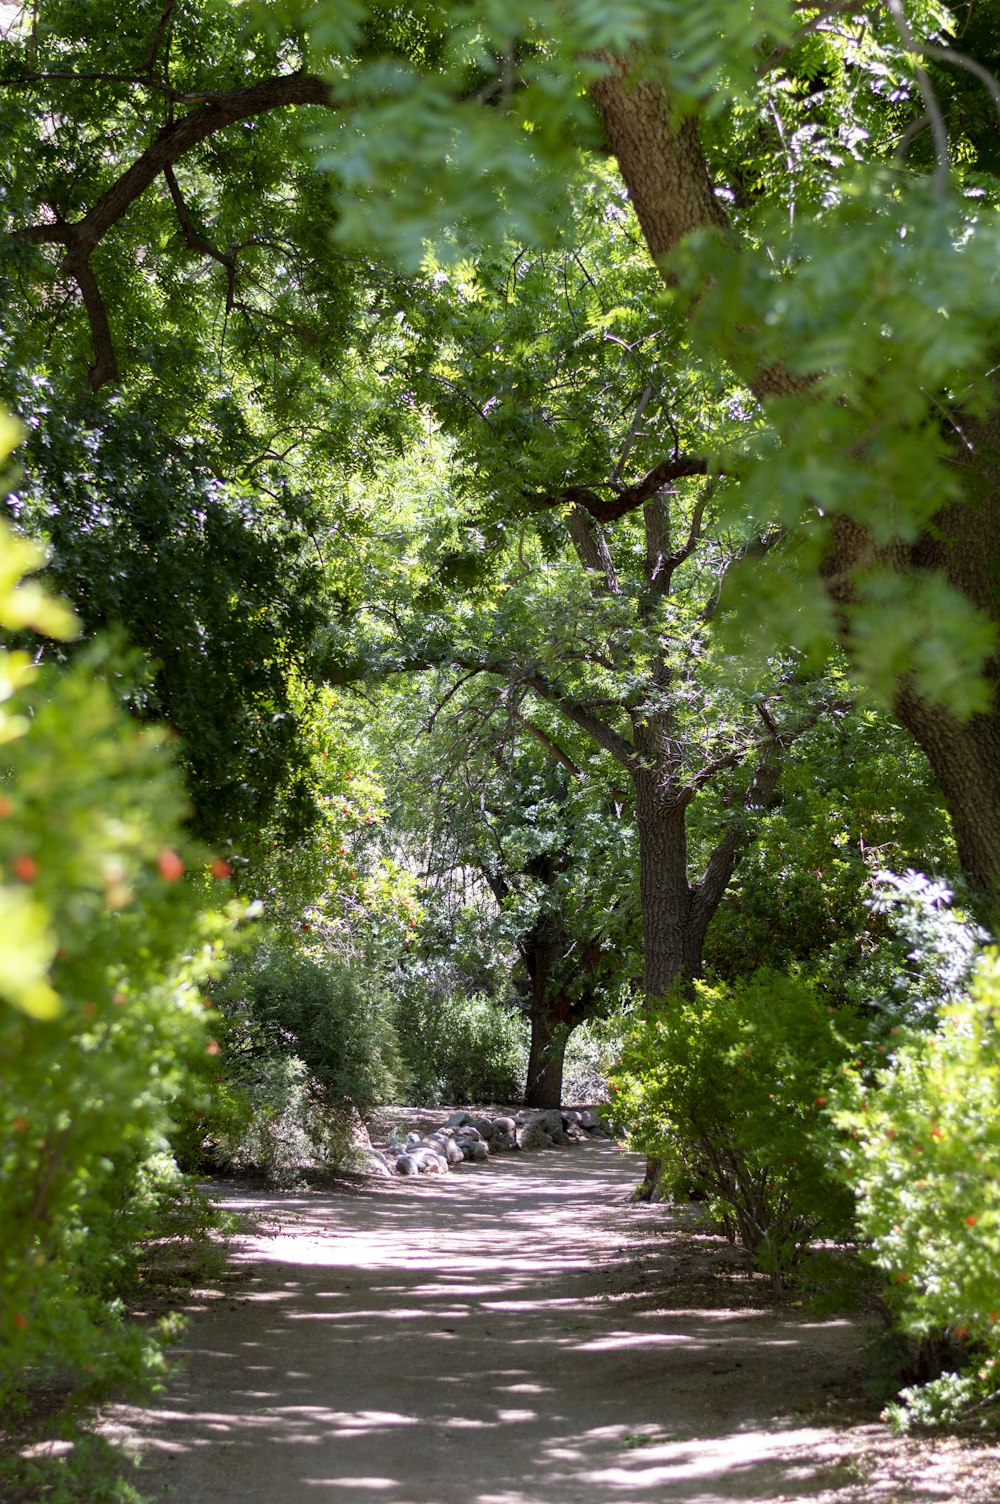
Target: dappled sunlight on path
468, 1340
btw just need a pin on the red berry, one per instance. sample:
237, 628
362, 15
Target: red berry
212, 1048
25, 868
6, 808
221, 868
20, 1320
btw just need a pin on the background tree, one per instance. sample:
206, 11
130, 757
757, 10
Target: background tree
544, 853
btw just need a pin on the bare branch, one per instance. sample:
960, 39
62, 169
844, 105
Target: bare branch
630, 437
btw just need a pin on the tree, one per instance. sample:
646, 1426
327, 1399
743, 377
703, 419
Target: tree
839, 290
491, 805
193, 368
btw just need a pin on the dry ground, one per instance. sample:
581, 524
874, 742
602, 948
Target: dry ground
515, 1333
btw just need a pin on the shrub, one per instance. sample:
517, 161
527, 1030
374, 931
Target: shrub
924, 1160
328, 1014
460, 1049
104, 946
726, 1086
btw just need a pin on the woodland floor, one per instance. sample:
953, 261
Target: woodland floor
516, 1333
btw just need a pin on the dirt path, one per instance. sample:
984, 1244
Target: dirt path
477, 1339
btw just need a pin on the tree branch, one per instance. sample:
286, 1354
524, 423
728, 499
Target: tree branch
198, 242
574, 710
219, 110
680, 467
592, 551
551, 746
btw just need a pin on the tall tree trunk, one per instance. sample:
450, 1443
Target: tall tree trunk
671, 948
551, 1025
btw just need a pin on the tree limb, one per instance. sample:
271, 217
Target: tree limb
551, 746
592, 550
679, 467
198, 242
604, 735
219, 109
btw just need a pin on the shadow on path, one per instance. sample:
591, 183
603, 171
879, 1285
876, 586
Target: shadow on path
467, 1340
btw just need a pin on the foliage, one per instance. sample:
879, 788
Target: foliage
460, 1048
725, 1087
924, 1161
815, 894
107, 944
936, 944
214, 581
332, 1016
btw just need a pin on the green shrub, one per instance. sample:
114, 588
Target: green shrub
105, 944
726, 1086
924, 1159
460, 1049
327, 1014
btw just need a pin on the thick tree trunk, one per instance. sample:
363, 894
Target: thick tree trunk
551, 1025
965, 760
671, 944
551, 1012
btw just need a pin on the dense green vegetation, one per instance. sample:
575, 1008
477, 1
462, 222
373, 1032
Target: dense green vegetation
524, 480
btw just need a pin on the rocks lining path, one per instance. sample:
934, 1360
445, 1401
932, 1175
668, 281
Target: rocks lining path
520, 1333
465, 1136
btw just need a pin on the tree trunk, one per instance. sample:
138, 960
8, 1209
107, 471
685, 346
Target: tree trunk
550, 1011
671, 946
551, 1025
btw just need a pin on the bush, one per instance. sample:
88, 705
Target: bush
328, 1014
924, 1160
726, 1085
104, 948
460, 1049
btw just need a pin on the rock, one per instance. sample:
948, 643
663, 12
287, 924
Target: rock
429, 1161
364, 1161
589, 1118
454, 1151
505, 1125
550, 1118
467, 1131
457, 1119
484, 1127
533, 1136
406, 1165
474, 1149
